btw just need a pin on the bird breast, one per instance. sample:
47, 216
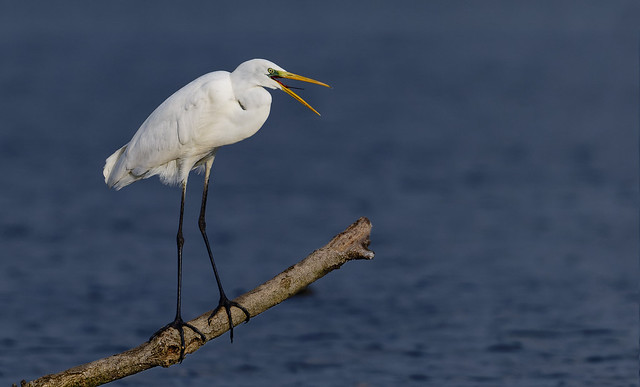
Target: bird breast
219, 123
253, 107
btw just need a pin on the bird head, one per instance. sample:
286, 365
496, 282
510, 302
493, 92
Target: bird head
261, 72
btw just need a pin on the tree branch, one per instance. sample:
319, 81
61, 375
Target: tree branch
164, 350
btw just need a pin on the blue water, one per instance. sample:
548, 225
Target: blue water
493, 145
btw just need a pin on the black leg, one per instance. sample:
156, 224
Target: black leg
178, 323
224, 301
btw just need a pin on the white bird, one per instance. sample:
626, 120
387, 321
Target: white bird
184, 133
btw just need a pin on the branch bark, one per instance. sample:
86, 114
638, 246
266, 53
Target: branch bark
164, 350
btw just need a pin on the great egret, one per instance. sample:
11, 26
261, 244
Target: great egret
184, 133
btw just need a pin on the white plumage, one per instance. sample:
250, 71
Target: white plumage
216, 109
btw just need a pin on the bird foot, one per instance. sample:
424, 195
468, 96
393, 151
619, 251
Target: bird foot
227, 304
178, 324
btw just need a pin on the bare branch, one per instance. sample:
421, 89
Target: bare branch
164, 350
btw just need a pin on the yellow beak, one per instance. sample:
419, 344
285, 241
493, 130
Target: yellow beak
288, 75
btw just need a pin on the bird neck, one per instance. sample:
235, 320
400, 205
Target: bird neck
252, 98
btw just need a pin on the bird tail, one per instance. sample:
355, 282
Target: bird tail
114, 172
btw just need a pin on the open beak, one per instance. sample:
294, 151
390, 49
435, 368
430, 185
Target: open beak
286, 89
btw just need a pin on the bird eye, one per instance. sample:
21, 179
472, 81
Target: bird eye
271, 71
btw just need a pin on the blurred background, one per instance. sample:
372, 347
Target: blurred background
493, 145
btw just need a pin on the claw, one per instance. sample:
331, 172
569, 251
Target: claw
227, 304
179, 325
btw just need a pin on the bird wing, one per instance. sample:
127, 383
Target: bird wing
171, 132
